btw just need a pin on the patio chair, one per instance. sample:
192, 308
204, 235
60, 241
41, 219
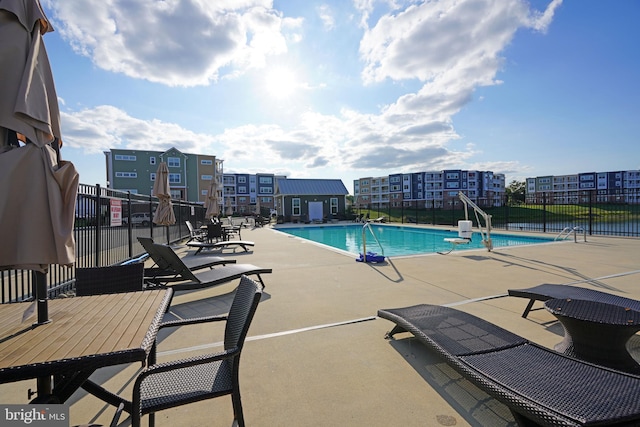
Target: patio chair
181, 382
185, 279
109, 280
195, 234
215, 232
547, 291
162, 268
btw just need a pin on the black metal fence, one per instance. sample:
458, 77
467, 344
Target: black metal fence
594, 211
103, 240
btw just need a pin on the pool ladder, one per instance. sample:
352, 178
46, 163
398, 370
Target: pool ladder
567, 231
366, 226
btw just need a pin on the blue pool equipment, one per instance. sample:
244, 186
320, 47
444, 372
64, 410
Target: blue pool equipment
371, 257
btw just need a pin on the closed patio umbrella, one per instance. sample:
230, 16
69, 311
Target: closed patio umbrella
162, 190
229, 210
37, 189
213, 210
258, 206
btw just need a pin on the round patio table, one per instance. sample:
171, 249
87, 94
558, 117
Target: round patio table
596, 332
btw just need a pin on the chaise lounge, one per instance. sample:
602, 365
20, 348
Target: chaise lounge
548, 291
162, 267
185, 279
539, 386
244, 244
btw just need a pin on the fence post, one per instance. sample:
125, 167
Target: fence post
129, 225
506, 213
98, 225
591, 212
544, 212
151, 216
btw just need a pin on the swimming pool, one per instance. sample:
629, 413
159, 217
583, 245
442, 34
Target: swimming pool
400, 240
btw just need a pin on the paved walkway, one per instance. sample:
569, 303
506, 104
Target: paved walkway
316, 355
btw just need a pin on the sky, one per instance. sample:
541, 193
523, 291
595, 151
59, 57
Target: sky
351, 88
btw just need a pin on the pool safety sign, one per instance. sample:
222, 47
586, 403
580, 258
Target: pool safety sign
34, 415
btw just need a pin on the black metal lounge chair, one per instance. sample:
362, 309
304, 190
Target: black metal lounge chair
185, 279
244, 244
162, 267
548, 291
539, 386
180, 382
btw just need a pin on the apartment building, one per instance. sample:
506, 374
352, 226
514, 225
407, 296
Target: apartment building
604, 187
190, 175
437, 189
241, 192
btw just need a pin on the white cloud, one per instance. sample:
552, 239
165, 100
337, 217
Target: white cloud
326, 16
176, 43
450, 47
105, 127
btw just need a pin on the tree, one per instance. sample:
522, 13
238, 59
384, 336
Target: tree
515, 192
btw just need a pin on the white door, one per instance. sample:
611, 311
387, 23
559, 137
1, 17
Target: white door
315, 211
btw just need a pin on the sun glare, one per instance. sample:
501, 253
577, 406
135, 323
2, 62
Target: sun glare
280, 82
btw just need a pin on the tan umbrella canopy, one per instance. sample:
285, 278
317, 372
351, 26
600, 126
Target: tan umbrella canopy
162, 190
37, 189
257, 205
213, 210
229, 210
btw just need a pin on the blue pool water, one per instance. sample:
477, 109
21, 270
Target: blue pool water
401, 240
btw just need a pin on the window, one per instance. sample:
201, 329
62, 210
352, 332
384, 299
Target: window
266, 190
206, 162
174, 178
206, 177
126, 174
173, 162
242, 179
266, 180
125, 158
242, 189
295, 207
333, 202
152, 176
152, 160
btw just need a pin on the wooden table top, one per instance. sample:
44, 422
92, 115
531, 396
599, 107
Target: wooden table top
97, 331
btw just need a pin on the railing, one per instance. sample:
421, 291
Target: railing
568, 231
98, 243
366, 226
596, 211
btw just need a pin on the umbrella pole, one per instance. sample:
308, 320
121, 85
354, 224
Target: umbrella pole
40, 286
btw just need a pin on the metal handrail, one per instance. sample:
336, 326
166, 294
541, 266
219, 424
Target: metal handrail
364, 240
567, 231
486, 235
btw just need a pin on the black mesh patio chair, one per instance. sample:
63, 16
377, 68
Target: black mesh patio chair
110, 280
215, 232
167, 385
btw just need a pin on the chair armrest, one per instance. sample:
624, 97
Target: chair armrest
185, 363
192, 321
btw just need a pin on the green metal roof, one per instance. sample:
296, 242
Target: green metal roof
311, 187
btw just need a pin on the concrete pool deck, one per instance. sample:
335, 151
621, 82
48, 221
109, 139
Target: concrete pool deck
316, 353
